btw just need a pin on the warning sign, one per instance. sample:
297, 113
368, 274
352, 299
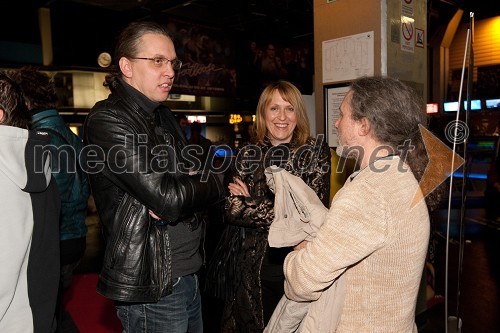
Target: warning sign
407, 8
407, 34
419, 38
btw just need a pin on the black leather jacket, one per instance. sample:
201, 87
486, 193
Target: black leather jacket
128, 177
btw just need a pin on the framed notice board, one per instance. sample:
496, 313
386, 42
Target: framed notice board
333, 95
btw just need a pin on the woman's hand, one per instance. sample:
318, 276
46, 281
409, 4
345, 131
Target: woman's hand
238, 187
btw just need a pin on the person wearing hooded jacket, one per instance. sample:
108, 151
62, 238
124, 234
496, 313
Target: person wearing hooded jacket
29, 241
39, 93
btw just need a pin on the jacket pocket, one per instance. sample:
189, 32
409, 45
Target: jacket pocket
120, 240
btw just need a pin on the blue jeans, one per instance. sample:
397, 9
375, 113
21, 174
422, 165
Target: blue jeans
179, 312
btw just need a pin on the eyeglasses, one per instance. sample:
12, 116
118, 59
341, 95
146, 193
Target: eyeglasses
158, 62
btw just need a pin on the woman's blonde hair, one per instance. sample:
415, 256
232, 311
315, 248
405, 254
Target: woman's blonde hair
292, 95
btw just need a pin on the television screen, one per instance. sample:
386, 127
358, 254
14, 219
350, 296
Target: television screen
450, 106
475, 104
493, 103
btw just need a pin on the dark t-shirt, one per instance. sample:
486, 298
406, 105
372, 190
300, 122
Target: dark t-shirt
186, 258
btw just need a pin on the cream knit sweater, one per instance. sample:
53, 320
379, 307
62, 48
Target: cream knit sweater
373, 235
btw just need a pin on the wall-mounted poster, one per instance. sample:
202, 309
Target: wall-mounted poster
348, 58
208, 60
334, 95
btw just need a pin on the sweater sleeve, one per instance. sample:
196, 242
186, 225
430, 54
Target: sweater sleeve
355, 226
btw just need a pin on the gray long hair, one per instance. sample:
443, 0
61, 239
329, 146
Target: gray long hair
395, 113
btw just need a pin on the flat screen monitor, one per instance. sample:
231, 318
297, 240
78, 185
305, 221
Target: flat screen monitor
475, 104
450, 106
493, 103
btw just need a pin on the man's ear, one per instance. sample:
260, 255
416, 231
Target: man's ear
125, 67
2, 112
364, 127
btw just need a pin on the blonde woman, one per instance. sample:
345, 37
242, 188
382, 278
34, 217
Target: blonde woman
244, 271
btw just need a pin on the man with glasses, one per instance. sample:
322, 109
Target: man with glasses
146, 196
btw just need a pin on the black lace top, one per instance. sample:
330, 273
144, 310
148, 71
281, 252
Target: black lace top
311, 162
242, 257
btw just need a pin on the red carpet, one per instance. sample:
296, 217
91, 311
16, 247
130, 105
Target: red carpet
91, 312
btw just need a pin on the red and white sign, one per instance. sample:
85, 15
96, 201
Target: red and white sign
407, 34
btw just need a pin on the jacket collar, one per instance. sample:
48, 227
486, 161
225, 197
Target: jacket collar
41, 114
139, 98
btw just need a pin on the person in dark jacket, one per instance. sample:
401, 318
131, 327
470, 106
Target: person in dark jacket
39, 93
146, 195
29, 241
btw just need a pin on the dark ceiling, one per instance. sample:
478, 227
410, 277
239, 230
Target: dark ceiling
292, 18
79, 25
82, 28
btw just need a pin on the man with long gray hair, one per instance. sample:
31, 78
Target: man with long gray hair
375, 233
